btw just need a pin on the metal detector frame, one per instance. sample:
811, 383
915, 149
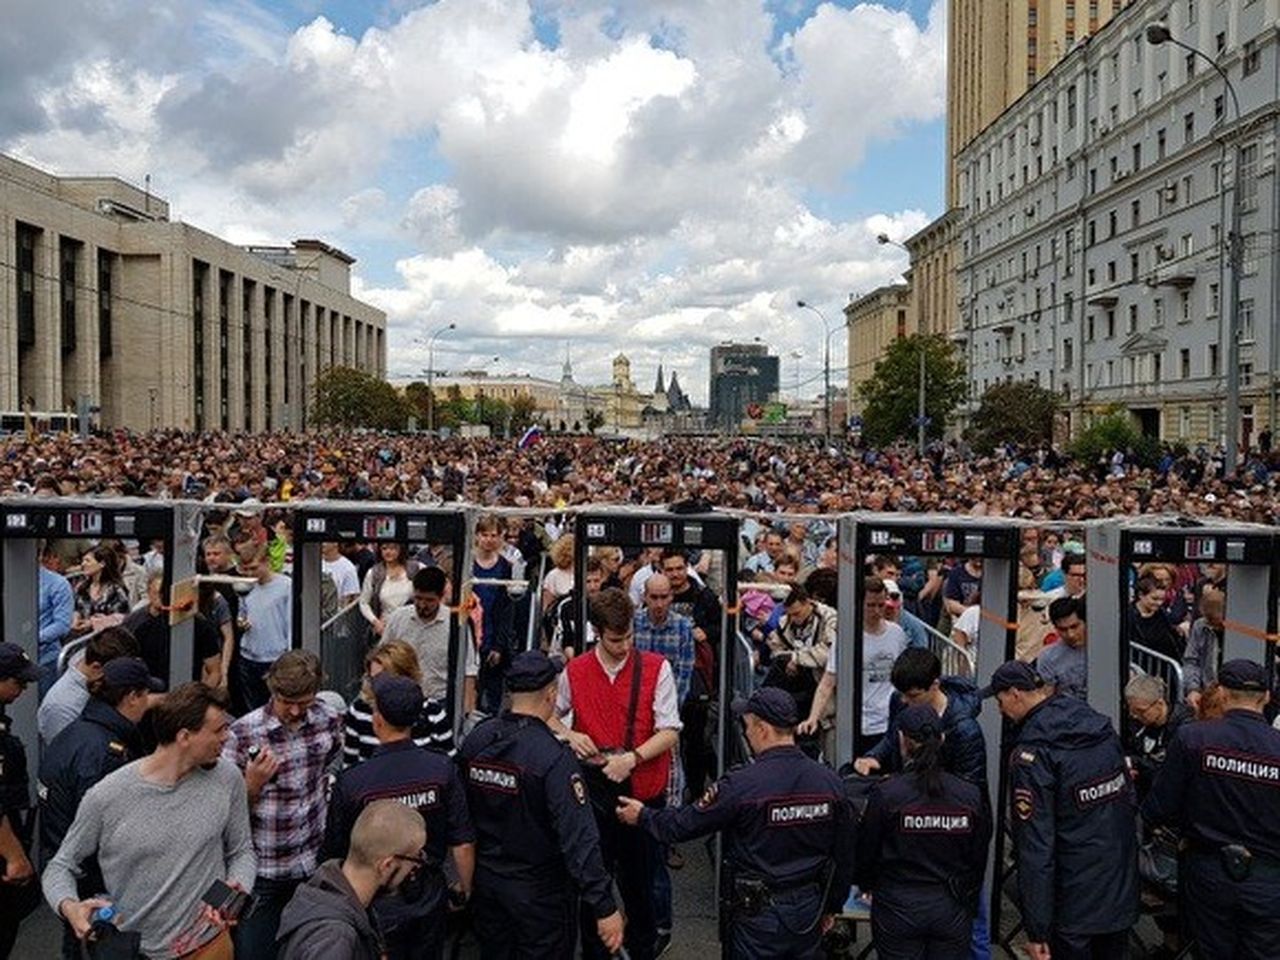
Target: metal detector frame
997, 543
317, 522
700, 531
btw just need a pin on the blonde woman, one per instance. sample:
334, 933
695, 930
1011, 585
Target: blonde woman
433, 729
559, 580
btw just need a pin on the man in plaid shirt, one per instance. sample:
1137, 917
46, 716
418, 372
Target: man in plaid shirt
286, 749
660, 630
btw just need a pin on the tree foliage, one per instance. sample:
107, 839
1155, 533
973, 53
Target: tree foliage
1020, 413
346, 397
595, 420
1116, 430
891, 395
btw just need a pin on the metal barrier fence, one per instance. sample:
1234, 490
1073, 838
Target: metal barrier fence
1145, 660
957, 661
344, 640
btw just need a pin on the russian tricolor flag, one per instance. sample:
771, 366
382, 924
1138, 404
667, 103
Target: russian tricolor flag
531, 436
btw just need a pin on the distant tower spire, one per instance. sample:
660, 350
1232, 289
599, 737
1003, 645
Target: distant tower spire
658, 387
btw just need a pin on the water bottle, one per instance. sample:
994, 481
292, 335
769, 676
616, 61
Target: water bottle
102, 924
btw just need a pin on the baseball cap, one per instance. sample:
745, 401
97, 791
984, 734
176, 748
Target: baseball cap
130, 673
398, 699
893, 594
531, 670
16, 665
771, 704
920, 721
1013, 675
1243, 675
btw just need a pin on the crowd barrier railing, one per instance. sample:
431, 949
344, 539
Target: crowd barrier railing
1153, 663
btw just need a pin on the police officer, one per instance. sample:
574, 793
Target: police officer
102, 739
412, 919
1219, 783
19, 894
922, 848
1073, 820
788, 834
537, 846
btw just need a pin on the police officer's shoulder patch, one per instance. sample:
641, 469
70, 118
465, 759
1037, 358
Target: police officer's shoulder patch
1024, 803
708, 797
579, 789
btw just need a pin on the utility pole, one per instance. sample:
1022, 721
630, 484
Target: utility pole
920, 417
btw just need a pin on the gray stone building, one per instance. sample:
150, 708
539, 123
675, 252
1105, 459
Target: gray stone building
1095, 214
160, 324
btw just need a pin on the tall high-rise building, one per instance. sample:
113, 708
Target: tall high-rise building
741, 374
996, 49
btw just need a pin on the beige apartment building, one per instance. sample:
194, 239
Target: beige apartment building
874, 321
159, 324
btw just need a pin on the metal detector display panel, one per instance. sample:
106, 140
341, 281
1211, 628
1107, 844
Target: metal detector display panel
937, 541
702, 532
381, 526
83, 522
1192, 546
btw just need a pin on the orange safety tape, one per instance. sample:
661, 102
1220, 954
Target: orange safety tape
1103, 557
996, 618
733, 610
1237, 627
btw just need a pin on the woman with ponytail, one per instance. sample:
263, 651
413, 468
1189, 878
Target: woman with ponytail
922, 850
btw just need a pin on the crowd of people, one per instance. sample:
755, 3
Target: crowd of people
357, 826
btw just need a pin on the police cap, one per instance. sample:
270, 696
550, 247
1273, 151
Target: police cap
1014, 675
531, 670
1243, 675
771, 704
398, 699
130, 673
16, 665
920, 722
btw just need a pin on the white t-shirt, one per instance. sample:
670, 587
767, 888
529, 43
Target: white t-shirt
879, 651
345, 577
969, 623
558, 582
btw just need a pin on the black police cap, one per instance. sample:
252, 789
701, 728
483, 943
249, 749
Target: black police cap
1243, 675
771, 704
531, 670
16, 665
1013, 675
398, 699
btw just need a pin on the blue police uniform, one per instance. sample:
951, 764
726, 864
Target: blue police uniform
1074, 830
537, 846
412, 919
1220, 784
788, 845
922, 852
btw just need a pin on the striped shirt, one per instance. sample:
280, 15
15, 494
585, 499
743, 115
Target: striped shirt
432, 731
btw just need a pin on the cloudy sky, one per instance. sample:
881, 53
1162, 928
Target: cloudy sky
653, 176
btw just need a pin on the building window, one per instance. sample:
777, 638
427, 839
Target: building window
1246, 374
1246, 321
1247, 176
1132, 326
1093, 232
1111, 271
1249, 255
1068, 353
1184, 306
1160, 144
1133, 266
1186, 246
199, 280
1157, 316
1071, 108
1213, 360
225, 281
1184, 363
1188, 183
1252, 59
246, 320
68, 254
1111, 324
1184, 422
1219, 107
1213, 300
104, 303
1191, 11
1188, 129
1190, 61
26, 237
1088, 329
1112, 224
1220, 41
1135, 212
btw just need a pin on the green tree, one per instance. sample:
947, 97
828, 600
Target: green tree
595, 420
891, 395
346, 397
418, 397
1021, 413
524, 413
1115, 430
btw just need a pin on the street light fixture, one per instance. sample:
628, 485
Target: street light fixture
431, 375
921, 420
1158, 33
826, 366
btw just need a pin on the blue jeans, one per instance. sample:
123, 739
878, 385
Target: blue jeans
661, 890
255, 935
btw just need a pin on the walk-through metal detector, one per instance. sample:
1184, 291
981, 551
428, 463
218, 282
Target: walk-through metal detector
862, 535
699, 531
1117, 547
317, 522
24, 524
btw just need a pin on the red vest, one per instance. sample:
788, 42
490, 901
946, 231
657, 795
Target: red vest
600, 711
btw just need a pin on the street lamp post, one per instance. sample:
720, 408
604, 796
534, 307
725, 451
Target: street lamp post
431, 375
884, 240
1157, 34
826, 367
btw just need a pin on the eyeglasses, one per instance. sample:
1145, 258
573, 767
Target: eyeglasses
419, 859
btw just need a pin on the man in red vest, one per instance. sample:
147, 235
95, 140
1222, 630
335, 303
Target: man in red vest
625, 722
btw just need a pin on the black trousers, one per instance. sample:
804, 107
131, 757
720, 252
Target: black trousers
1090, 946
1231, 919
16, 902
516, 921
790, 928
920, 923
630, 856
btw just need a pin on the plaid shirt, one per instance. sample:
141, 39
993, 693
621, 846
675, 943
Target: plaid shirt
288, 819
673, 640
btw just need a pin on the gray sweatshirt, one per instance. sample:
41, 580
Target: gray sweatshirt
1200, 661
159, 847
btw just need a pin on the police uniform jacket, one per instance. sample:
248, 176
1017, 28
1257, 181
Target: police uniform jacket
908, 838
100, 741
1073, 822
785, 818
533, 819
1219, 783
423, 779
14, 795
